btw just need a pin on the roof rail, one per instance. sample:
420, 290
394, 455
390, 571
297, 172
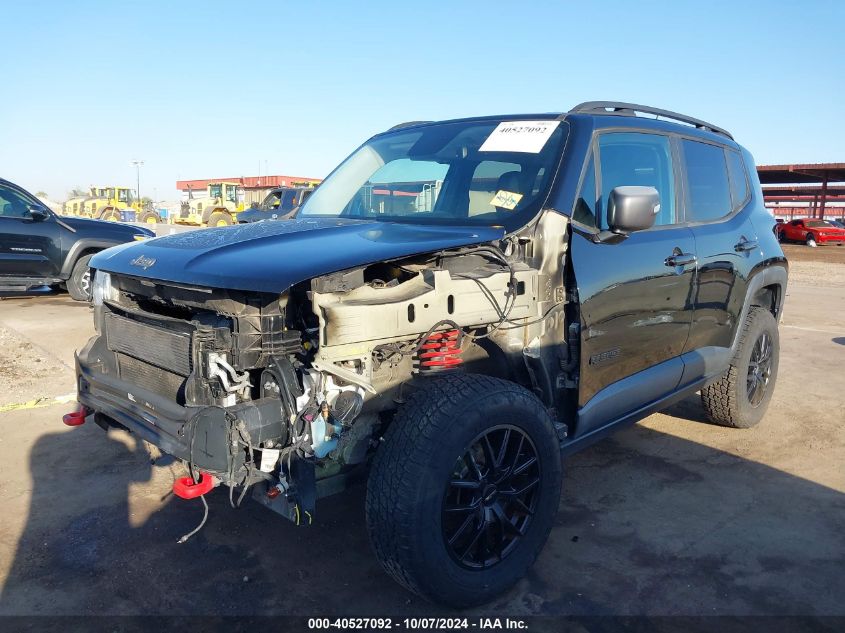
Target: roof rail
630, 109
399, 126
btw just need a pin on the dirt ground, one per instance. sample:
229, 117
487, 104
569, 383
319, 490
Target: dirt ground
822, 266
672, 516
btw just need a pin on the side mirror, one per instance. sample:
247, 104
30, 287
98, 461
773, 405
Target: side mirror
632, 209
39, 214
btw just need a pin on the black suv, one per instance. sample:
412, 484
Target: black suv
456, 306
39, 249
280, 203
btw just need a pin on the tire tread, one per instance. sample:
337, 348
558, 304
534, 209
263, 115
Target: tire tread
721, 398
411, 441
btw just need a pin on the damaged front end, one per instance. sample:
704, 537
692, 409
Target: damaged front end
285, 397
220, 380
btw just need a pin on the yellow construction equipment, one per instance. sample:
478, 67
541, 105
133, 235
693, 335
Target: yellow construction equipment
111, 203
219, 207
75, 205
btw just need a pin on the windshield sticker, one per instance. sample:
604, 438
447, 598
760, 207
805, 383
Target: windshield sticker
506, 199
519, 136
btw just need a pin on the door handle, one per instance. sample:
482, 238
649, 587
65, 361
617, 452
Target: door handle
744, 245
680, 259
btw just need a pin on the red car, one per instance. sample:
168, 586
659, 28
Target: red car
810, 230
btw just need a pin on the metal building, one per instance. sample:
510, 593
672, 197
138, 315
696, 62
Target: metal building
811, 190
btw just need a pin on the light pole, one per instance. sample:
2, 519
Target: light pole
138, 164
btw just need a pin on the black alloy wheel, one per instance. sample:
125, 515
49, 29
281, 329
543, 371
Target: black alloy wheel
464, 488
740, 397
491, 497
759, 369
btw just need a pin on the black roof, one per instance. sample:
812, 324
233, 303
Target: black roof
591, 108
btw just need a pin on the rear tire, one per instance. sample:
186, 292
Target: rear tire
220, 218
739, 399
433, 489
79, 283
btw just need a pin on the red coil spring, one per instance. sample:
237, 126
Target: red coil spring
441, 350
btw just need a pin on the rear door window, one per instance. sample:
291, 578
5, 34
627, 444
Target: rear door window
708, 191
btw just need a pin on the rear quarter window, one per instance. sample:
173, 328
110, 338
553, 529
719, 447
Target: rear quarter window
739, 179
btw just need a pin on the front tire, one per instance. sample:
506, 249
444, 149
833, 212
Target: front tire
464, 490
79, 283
811, 240
739, 399
220, 218
149, 217
110, 215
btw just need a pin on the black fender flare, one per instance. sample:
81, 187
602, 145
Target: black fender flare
78, 248
771, 272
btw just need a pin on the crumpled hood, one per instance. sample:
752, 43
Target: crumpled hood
272, 256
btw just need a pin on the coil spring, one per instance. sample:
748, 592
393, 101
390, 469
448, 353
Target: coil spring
441, 351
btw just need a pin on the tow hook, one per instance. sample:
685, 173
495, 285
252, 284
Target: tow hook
186, 488
76, 418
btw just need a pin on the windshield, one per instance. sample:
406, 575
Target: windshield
271, 201
215, 191
471, 172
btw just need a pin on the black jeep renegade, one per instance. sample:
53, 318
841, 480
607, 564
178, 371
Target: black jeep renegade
459, 304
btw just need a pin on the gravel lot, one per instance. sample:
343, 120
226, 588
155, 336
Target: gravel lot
672, 516
820, 267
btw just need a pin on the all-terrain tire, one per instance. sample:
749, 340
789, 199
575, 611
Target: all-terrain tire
728, 401
430, 436
79, 283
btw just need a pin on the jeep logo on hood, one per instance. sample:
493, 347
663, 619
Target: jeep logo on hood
143, 262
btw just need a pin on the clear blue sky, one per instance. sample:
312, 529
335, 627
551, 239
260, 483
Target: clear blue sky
212, 89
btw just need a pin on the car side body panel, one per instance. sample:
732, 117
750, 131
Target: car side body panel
739, 264
49, 248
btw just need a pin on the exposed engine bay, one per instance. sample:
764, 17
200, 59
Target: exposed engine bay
287, 395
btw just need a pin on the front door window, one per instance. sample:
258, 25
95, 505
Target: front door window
635, 158
12, 204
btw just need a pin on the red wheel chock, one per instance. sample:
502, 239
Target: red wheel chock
185, 488
76, 418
